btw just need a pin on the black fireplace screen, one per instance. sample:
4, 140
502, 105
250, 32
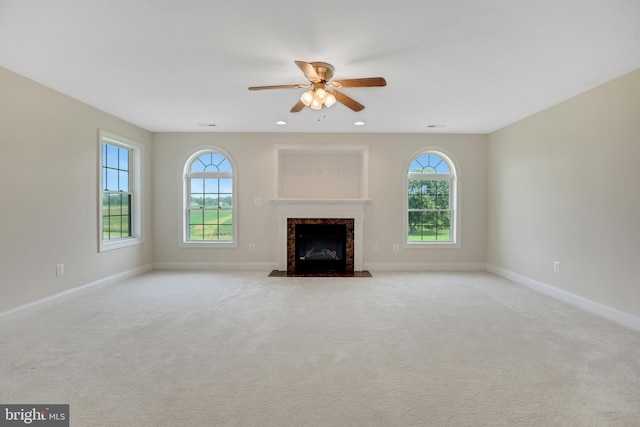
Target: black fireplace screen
320, 247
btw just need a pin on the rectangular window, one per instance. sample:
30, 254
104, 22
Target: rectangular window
116, 197
119, 188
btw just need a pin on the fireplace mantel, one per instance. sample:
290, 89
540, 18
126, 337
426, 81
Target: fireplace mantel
320, 208
314, 203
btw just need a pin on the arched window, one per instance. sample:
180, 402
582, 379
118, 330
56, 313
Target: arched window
431, 199
209, 203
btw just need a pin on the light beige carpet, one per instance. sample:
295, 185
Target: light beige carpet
397, 349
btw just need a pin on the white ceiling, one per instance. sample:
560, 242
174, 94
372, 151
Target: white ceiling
466, 66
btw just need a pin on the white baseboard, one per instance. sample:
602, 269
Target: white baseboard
253, 266
601, 310
424, 266
60, 295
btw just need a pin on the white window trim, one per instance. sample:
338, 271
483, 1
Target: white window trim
455, 180
135, 159
184, 241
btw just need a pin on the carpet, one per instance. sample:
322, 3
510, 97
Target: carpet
397, 349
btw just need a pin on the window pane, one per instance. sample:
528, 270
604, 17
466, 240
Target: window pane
210, 232
210, 217
225, 216
415, 223
205, 160
110, 160
196, 217
111, 182
211, 201
124, 204
225, 201
414, 187
224, 165
429, 163
225, 232
195, 232
123, 181
210, 162
124, 225
196, 185
226, 186
196, 201
210, 185
123, 159
197, 166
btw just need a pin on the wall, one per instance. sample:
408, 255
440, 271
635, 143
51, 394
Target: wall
564, 186
253, 154
48, 208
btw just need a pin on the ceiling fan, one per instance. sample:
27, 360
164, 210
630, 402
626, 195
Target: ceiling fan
322, 90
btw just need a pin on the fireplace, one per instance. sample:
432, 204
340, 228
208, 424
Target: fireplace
346, 212
320, 246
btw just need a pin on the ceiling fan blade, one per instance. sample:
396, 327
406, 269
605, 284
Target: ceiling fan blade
279, 87
365, 82
348, 101
298, 107
308, 71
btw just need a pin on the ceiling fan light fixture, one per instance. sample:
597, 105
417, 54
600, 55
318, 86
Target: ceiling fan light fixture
315, 104
330, 100
321, 94
307, 98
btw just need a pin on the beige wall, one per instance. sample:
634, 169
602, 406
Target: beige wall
48, 201
564, 185
388, 155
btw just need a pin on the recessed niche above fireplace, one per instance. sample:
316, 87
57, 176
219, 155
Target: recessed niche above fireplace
321, 172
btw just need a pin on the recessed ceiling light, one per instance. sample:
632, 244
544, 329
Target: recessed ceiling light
359, 123
281, 123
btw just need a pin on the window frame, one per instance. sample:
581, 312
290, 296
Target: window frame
184, 241
454, 198
135, 150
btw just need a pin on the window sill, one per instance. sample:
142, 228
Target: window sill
430, 244
208, 245
109, 245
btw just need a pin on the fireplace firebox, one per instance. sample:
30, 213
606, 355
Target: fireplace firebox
319, 246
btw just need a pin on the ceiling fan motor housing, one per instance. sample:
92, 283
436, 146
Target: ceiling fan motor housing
323, 70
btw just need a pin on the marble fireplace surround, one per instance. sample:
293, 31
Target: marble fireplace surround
320, 209
292, 255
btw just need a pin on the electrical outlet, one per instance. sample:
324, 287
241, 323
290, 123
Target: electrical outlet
59, 269
396, 247
556, 266
252, 247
